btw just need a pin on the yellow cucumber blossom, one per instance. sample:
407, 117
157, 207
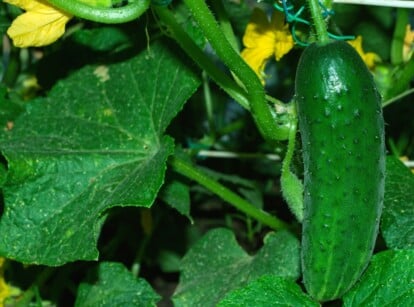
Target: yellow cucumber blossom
370, 58
5, 290
263, 39
41, 24
408, 43
8, 293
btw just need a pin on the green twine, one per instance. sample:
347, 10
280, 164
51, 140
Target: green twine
294, 19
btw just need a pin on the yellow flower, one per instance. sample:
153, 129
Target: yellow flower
408, 43
263, 39
370, 58
405, 159
41, 24
4, 287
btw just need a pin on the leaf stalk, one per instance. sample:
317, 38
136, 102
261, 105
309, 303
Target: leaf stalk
187, 169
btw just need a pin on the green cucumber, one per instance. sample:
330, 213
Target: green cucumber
342, 131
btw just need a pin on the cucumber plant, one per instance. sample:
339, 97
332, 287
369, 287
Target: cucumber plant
342, 131
96, 139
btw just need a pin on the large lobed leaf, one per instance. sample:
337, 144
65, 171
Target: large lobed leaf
269, 291
116, 286
397, 224
388, 281
217, 264
96, 141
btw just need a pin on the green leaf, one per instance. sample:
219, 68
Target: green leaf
239, 13
388, 281
185, 19
397, 224
115, 286
176, 193
10, 108
216, 265
94, 143
169, 261
103, 39
269, 291
375, 39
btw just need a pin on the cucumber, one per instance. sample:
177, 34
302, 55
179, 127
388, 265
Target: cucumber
342, 131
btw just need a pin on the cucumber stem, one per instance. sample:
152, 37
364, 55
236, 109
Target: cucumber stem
225, 23
397, 45
199, 57
318, 21
224, 49
107, 15
188, 170
290, 149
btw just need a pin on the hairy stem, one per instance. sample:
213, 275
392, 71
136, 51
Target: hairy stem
110, 15
224, 49
199, 57
318, 21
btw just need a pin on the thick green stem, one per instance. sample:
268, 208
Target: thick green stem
318, 21
398, 36
12, 67
229, 196
259, 108
404, 76
30, 293
209, 105
225, 23
290, 148
126, 13
199, 57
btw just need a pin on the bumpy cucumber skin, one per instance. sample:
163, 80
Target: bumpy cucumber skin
342, 131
